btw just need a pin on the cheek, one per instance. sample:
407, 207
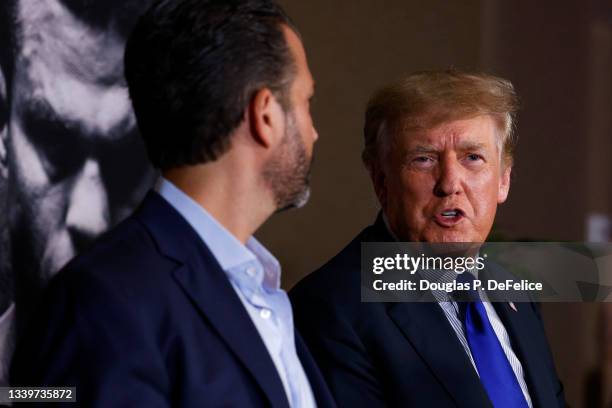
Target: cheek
412, 192
417, 186
26, 166
42, 201
483, 193
50, 217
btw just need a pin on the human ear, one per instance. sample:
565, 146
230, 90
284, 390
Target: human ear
379, 182
266, 118
504, 184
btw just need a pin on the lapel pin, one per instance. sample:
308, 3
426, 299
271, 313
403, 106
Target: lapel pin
512, 306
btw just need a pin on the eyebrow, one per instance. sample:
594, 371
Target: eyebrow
467, 145
47, 129
40, 109
422, 149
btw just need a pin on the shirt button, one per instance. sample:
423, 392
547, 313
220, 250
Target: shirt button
265, 313
251, 271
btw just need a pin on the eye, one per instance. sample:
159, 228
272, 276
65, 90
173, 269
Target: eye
422, 162
422, 159
474, 157
60, 148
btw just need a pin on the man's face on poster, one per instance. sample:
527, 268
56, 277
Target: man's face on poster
72, 131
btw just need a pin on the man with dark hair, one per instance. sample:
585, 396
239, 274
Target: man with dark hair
180, 305
69, 146
439, 150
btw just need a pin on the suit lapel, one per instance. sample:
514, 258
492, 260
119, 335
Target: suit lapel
427, 329
521, 325
317, 383
206, 285
425, 326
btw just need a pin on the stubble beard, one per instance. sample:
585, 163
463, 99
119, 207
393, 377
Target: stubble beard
287, 173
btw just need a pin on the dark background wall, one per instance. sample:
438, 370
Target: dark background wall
558, 56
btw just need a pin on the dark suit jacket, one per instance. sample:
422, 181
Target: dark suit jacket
405, 354
147, 318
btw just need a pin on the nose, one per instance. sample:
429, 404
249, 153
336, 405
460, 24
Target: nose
449, 179
315, 134
88, 213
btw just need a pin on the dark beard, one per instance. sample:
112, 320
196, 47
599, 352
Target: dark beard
287, 173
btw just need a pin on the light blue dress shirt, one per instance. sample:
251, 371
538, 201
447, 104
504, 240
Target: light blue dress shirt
255, 276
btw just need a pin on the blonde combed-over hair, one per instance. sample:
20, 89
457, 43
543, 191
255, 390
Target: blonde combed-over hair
426, 99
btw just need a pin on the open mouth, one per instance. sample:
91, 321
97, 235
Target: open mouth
449, 217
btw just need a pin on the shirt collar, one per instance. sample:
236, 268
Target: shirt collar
443, 276
225, 247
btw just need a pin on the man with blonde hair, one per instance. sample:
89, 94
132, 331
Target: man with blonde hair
438, 147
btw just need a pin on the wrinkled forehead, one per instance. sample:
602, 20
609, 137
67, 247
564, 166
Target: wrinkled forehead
49, 33
472, 130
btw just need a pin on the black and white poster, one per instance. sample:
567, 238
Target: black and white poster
71, 161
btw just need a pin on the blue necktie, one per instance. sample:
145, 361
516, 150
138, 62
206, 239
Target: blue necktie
496, 374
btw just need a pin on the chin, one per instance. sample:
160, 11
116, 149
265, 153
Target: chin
448, 235
298, 201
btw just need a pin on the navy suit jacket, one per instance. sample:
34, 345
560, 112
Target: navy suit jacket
147, 318
405, 354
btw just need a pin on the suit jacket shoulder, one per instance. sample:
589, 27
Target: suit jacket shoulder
147, 317
404, 354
